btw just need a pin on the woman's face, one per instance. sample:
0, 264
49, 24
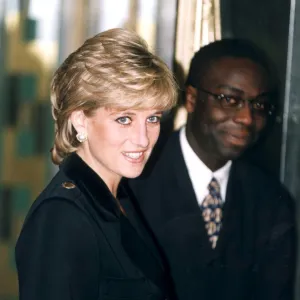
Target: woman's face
119, 142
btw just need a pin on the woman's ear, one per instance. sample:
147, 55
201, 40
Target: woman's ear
78, 120
190, 98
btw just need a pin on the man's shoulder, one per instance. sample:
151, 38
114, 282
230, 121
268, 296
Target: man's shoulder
259, 179
254, 172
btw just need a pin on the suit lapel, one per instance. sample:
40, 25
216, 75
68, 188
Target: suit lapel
183, 190
238, 226
185, 205
239, 207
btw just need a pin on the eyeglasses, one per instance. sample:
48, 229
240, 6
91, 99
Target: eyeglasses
260, 105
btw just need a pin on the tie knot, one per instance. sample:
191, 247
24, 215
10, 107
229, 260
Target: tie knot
214, 185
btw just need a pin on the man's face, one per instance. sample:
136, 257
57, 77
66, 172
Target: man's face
220, 132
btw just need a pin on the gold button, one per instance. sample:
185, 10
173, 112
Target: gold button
68, 185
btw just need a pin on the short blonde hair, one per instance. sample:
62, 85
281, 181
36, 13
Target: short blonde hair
113, 69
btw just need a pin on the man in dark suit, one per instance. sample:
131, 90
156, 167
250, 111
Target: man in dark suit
226, 229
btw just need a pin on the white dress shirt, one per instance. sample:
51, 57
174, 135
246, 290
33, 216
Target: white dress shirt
199, 173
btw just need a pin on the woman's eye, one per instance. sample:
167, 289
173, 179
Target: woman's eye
154, 119
124, 120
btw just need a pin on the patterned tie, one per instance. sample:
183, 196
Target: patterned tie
212, 211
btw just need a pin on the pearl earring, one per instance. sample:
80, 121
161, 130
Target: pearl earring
81, 137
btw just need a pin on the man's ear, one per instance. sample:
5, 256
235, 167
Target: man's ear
190, 98
78, 120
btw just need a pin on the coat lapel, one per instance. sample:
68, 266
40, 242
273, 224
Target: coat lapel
138, 243
104, 204
139, 225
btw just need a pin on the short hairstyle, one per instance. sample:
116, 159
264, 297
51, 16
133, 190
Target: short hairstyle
113, 69
230, 47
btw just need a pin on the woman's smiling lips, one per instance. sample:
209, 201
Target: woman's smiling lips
134, 157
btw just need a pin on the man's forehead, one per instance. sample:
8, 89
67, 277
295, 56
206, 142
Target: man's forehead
234, 63
233, 69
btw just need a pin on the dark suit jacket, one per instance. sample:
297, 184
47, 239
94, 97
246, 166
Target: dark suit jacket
255, 253
75, 244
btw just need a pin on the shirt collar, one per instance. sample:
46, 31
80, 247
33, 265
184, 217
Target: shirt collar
199, 171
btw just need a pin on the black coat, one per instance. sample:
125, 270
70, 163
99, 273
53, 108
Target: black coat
255, 254
75, 244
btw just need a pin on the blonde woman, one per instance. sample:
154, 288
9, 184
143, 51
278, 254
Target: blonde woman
77, 241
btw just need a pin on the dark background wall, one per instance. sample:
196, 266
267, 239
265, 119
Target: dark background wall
267, 24
274, 25
290, 162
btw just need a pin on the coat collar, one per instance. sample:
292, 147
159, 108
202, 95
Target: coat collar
92, 185
100, 197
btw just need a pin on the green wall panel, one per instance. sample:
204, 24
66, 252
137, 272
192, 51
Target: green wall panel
25, 142
29, 29
21, 197
28, 87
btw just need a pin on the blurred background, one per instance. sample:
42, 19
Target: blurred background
37, 35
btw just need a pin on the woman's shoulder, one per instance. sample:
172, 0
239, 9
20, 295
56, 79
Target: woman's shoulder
61, 194
57, 213
58, 238
60, 187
